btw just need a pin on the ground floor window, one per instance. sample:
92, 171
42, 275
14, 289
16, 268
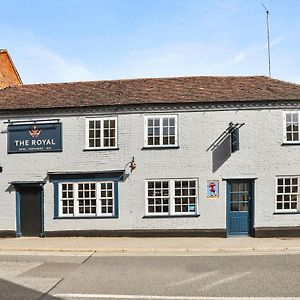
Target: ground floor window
287, 194
171, 197
86, 199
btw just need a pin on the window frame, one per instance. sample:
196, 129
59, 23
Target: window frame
101, 119
285, 129
171, 212
287, 211
160, 117
98, 214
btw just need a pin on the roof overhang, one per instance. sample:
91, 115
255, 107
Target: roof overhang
63, 175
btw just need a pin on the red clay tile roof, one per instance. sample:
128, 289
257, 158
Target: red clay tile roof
148, 91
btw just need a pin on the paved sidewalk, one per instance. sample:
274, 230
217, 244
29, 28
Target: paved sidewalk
153, 245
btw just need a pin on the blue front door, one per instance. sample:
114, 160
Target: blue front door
239, 207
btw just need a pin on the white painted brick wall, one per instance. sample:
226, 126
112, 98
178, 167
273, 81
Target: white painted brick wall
261, 156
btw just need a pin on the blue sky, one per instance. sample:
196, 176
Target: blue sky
75, 40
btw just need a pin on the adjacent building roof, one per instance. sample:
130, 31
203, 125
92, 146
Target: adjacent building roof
9, 75
177, 90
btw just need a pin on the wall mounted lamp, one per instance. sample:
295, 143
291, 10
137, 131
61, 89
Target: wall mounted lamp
132, 165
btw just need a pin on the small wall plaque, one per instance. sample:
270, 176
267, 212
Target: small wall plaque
212, 189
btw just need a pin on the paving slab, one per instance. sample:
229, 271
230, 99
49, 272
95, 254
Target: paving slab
150, 245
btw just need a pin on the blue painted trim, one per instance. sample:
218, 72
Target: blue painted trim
85, 179
42, 200
252, 210
61, 137
228, 191
18, 215
116, 196
56, 199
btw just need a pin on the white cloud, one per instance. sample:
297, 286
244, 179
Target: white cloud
47, 62
36, 63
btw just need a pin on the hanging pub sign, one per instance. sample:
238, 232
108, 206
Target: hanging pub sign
44, 137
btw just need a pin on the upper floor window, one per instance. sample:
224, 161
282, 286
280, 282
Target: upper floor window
292, 127
161, 131
171, 197
287, 194
101, 133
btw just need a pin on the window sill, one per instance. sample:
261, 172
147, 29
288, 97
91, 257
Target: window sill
84, 218
290, 144
170, 216
100, 149
287, 213
160, 147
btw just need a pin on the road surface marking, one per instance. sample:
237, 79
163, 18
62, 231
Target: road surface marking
225, 280
195, 278
149, 297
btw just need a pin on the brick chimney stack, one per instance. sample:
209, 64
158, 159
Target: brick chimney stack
9, 75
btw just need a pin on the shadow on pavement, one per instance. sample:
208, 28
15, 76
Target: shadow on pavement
12, 291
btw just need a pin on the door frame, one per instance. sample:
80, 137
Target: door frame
18, 186
251, 210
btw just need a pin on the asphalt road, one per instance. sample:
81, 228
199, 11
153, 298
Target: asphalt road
90, 276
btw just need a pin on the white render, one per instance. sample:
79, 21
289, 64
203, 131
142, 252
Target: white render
261, 157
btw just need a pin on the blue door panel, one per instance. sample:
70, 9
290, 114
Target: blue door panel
239, 207
239, 224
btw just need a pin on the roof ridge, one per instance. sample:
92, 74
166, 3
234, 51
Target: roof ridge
145, 79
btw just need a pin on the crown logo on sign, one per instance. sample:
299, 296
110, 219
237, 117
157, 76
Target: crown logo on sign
34, 132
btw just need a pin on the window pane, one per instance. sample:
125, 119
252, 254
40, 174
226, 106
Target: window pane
295, 117
159, 200
106, 197
91, 124
87, 203
172, 140
67, 200
234, 197
234, 206
244, 187
280, 181
243, 206
183, 189
150, 141
287, 193
234, 187
164, 126
295, 136
96, 140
